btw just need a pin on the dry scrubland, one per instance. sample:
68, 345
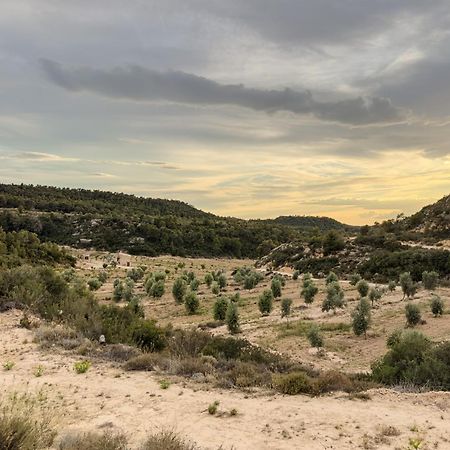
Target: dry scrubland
109, 398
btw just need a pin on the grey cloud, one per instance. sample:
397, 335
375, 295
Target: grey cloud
332, 22
141, 84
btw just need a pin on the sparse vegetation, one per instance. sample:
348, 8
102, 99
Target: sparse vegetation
81, 366
265, 302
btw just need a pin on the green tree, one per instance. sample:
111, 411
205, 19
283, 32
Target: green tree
430, 280
158, 289
334, 298
315, 337
437, 305
331, 278
375, 294
362, 288
232, 318
191, 303
309, 292
361, 317
409, 288
332, 242
276, 287
222, 281
286, 304
355, 279
220, 308
209, 279
413, 315
265, 302
179, 289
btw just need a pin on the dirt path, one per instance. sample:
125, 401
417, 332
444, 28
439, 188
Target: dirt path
108, 398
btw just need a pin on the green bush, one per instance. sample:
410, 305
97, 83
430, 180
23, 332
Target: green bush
430, 280
191, 302
331, 278
209, 279
332, 242
363, 288
81, 366
222, 281
286, 304
355, 278
309, 292
148, 336
315, 337
179, 290
293, 383
194, 285
437, 306
94, 284
232, 318
158, 288
220, 308
392, 285
295, 275
334, 298
215, 289
276, 287
414, 359
265, 302
413, 315
407, 284
375, 294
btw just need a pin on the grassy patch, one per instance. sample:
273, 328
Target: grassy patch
302, 328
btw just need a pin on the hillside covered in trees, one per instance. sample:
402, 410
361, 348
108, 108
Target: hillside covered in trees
114, 221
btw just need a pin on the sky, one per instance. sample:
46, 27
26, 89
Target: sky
251, 108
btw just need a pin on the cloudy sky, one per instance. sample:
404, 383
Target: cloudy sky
250, 108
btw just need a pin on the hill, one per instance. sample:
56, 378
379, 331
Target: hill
432, 220
322, 223
145, 226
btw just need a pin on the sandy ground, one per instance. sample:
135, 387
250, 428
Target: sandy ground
107, 398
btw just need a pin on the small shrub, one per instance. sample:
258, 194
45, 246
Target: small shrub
293, 383
392, 285
314, 337
25, 424
8, 365
212, 408
232, 318
93, 441
167, 440
215, 289
295, 275
194, 285
220, 308
265, 302
94, 284
331, 278
437, 306
164, 384
38, 371
191, 302
355, 278
81, 366
413, 315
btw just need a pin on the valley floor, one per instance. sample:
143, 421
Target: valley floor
108, 398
